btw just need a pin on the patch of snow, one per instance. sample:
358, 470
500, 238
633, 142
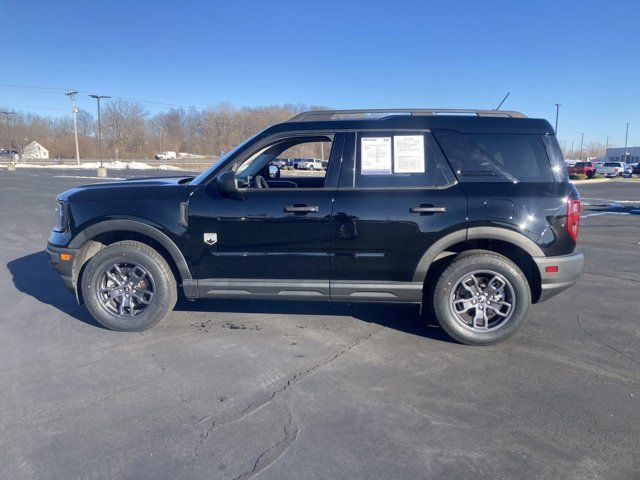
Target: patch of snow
89, 178
114, 165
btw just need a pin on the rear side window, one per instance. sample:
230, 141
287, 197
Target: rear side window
491, 157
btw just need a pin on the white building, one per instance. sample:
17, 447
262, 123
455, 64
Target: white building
35, 151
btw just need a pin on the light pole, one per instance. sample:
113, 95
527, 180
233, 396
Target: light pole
7, 115
22, 145
102, 172
74, 110
626, 137
558, 105
606, 147
581, 143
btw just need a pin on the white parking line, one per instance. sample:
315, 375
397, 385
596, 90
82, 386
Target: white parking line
597, 214
586, 200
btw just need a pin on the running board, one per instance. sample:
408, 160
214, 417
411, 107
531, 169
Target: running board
277, 289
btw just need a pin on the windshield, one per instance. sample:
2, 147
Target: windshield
200, 178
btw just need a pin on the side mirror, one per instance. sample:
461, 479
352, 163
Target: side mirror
226, 183
274, 171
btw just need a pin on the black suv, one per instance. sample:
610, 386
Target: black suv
468, 214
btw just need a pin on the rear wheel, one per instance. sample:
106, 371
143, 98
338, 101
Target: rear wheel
481, 298
128, 286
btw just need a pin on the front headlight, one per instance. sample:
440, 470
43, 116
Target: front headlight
63, 217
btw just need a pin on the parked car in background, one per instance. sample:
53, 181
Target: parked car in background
308, 164
170, 155
628, 171
635, 169
10, 154
582, 168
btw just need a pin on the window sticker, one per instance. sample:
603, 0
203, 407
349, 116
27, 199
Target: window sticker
408, 154
375, 155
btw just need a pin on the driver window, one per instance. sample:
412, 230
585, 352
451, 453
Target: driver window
290, 163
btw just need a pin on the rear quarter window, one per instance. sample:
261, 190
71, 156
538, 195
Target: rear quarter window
492, 157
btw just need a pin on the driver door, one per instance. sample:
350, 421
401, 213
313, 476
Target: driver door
266, 242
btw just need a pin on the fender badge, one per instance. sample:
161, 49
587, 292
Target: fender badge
210, 238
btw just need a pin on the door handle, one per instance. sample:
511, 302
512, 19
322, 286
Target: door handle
301, 209
426, 209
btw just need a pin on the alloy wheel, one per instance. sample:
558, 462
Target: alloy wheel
482, 301
125, 289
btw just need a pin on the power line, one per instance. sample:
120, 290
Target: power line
34, 107
41, 89
31, 88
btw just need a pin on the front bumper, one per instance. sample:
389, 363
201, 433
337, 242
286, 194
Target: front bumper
62, 260
569, 268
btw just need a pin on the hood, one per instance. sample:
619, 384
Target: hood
149, 188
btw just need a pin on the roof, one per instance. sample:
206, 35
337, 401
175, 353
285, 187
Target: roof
465, 121
34, 144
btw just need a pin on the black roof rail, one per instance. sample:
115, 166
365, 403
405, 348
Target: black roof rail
323, 115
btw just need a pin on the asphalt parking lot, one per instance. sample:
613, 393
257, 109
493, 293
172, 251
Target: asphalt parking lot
232, 390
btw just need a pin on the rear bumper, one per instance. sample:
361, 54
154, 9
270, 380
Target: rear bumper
57, 257
569, 270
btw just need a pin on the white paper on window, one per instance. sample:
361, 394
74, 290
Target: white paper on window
375, 155
408, 154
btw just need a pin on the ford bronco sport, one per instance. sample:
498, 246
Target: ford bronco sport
466, 213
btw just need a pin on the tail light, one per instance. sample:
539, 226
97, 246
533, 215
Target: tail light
573, 218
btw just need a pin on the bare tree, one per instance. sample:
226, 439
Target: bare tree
123, 127
128, 127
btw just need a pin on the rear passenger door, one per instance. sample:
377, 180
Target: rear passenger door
396, 197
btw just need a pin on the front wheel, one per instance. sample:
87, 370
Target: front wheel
128, 286
481, 298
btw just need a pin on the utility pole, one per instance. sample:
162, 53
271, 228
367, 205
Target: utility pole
581, 143
626, 137
7, 116
558, 105
102, 172
74, 110
606, 147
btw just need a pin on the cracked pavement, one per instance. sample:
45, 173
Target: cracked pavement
239, 390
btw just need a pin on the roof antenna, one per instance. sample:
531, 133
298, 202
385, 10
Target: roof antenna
505, 97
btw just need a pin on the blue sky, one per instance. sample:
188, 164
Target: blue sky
343, 54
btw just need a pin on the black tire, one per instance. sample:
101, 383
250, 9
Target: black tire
135, 258
481, 263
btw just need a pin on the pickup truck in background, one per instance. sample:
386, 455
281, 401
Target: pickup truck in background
615, 169
308, 164
170, 155
582, 168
